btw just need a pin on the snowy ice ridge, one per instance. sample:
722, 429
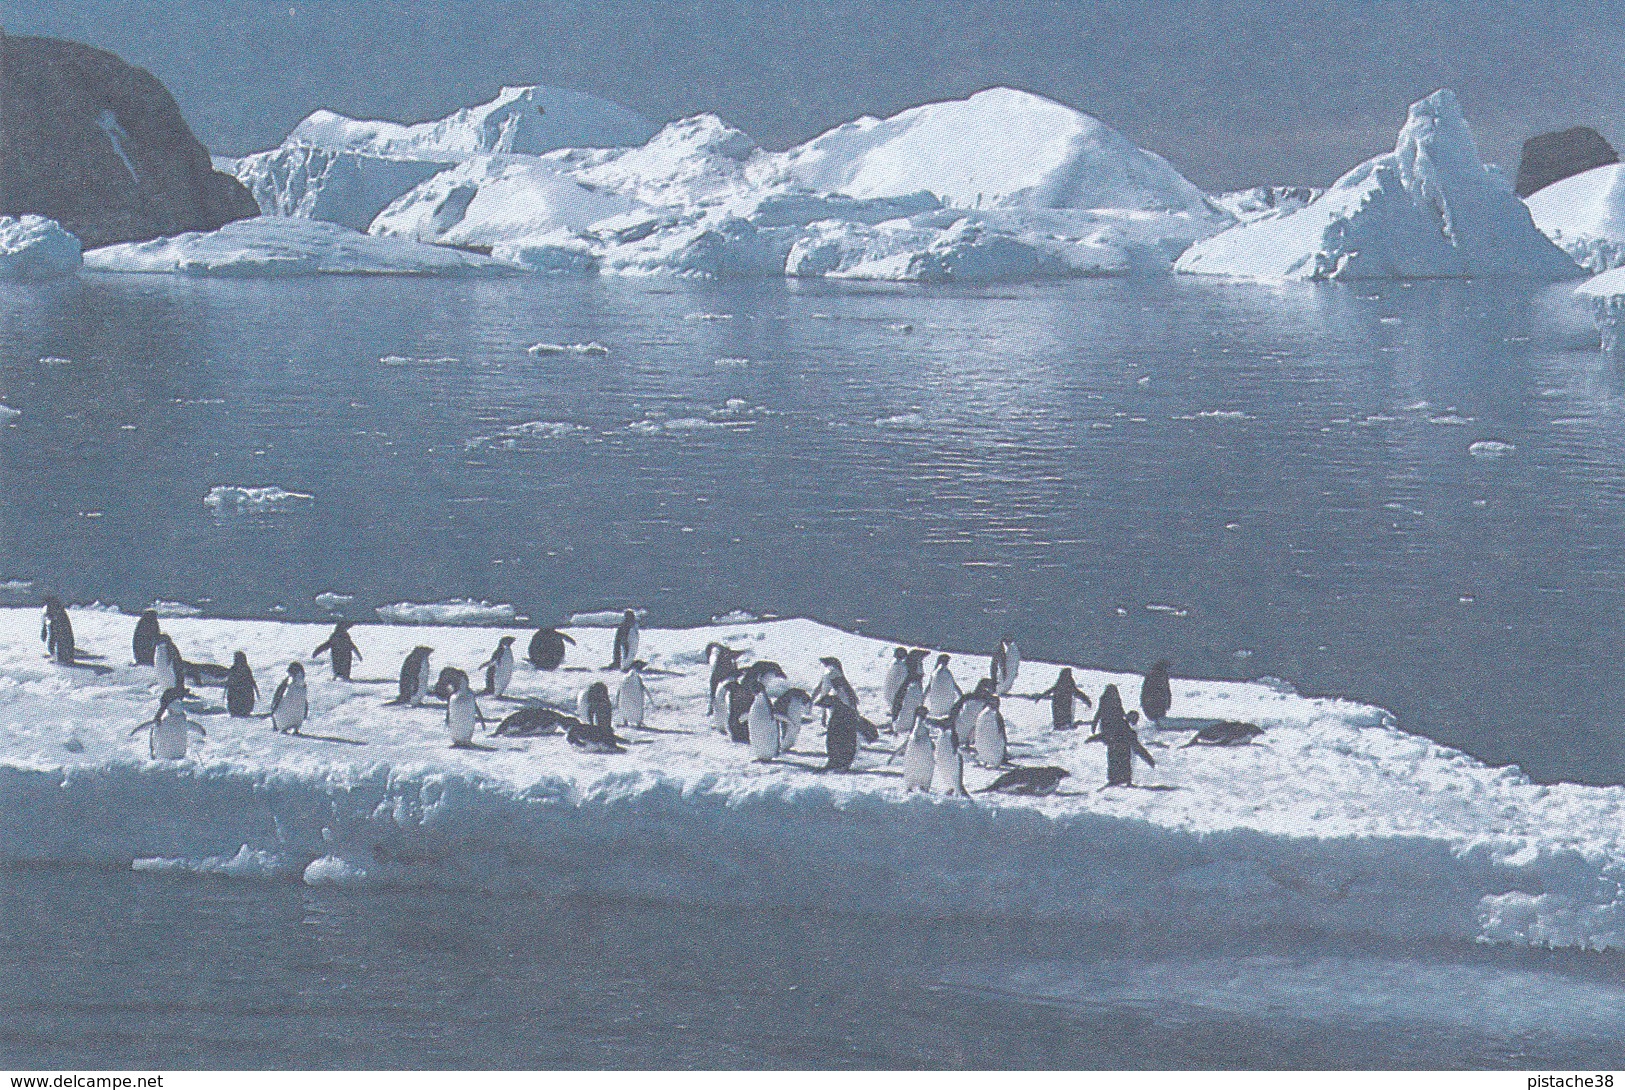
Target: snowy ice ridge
1334, 819
36, 248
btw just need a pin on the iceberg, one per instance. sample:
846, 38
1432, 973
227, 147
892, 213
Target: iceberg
36, 248
1429, 208
1585, 215
341, 187
1334, 819
277, 246
522, 120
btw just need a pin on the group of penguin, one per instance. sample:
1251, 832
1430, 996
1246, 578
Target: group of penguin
755, 704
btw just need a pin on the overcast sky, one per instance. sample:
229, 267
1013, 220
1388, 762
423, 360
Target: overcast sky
1234, 92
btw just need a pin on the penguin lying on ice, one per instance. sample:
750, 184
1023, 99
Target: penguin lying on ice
1041, 780
1228, 733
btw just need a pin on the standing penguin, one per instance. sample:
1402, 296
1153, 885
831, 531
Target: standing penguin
791, 711
414, 677
1005, 665
896, 674
1116, 730
1156, 695
631, 697
626, 641
1062, 697
241, 692
447, 682
146, 636
969, 709
462, 712
342, 648
903, 705
950, 762
499, 668
919, 755
56, 632
595, 729
741, 698
547, 648
169, 727
724, 665
834, 683
943, 691
763, 728
167, 665
841, 737
291, 702
722, 710
992, 744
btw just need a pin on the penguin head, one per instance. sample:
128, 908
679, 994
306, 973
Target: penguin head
506, 641
149, 615
920, 716
830, 662
172, 695
629, 617
1161, 666
295, 670
51, 602
1006, 640
638, 665
942, 661
1065, 676
239, 659
984, 688
342, 626
900, 654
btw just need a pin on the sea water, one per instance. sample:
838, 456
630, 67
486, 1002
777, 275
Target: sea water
1408, 494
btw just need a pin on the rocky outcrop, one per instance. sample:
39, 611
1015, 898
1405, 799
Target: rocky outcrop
100, 146
1553, 156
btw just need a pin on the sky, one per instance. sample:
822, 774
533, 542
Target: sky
1233, 92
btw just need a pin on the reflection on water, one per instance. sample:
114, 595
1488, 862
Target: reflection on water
1287, 469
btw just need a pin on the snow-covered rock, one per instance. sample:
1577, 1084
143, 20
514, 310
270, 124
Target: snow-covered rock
1334, 819
524, 120
1585, 215
275, 246
36, 248
1429, 208
340, 187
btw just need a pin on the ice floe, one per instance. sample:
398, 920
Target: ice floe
36, 248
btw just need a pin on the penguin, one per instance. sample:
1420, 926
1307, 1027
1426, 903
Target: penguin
594, 731
631, 697
532, 721
626, 641
942, 693
499, 668
1156, 695
146, 636
762, 728
969, 709
241, 691
834, 683
1116, 730
414, 677
342, 647
741, 697
991, 743
169, 727
446, 683
722, 710
167, 665
908, 698
547, 648
1028, 781
1005, 665
791, 711
462, 712
896, 674
1226, 733
291, 702
765, 674
919, 755
1063, 696
56, 632
841, 737
950, 762
724, 665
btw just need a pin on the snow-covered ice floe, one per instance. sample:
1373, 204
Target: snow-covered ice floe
1429, 208
227, 497
285, 246
1333, 819
455, 611
36, 248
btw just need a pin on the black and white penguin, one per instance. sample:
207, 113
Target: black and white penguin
765, 674
533, 721
1005, 665
1226, 733
594, 731
741, 696
1063, 697
992, 744
1041, 780
168, 668
969, 709
841, 736
241, 691
447, 682
414, 677
790, 708
834, 683
56, 632
342, 649
722, 708
1115, 728
919, 755
762, 728
908, 698
631, 697
950, 762
724, 665
462, 712
626, 641
170, 727
147, 631
499, 668
1156, 694
291, 703
547, 648
942, 692
896, 674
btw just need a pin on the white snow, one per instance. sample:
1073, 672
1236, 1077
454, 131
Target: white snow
1585, 215
1265, 201
1429, 208
1490, 448
253, 497
547, 348
340, 187
527, 120
454, 611
1335, 819
36, 248
276, 246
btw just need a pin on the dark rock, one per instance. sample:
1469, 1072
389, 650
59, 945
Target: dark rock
1553, 156
100, 147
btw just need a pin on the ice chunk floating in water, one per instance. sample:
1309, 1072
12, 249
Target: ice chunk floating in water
455, 611
254, 498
